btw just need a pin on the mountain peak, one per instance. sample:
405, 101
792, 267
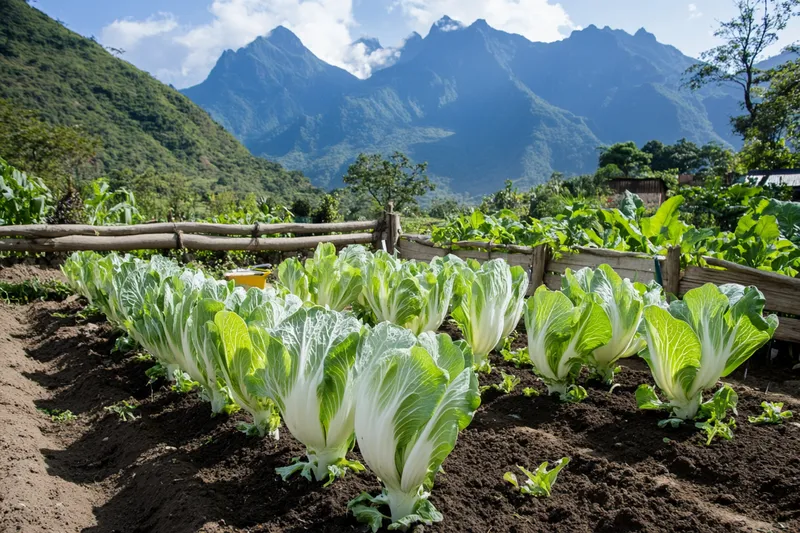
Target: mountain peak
282, 37
642, 33
446, 24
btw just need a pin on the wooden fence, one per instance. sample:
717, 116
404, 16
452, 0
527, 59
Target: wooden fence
782, 293
197, 236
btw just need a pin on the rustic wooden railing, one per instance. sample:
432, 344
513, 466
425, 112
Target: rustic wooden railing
198, 236
782, 293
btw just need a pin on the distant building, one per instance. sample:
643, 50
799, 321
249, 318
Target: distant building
686, 179
652, 191
790, 177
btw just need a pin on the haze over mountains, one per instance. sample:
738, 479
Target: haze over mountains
480, 105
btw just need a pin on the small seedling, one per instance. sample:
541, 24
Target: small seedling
183, 383
517, 357
773, 414
510, 381
124, 410
124, 344
57, 415
575, 394
155, 372
530, 392
714, 412
539, 483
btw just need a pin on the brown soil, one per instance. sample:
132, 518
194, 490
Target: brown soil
177, 469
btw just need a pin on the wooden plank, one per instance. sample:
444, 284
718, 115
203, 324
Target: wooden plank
788, 330
409, 249
551, 281
602, 252
781, 295
65, 230
671, 271
538, 265
581, 260
175, 240
760, 274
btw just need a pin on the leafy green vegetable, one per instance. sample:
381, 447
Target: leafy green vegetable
329, 280
413, 396
714, 411
623, 303
506, 386
773, 414
700, 339
306, 366
540, 482
410, 294
561, 335
489, 297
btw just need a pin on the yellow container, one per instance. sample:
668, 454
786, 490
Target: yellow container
248, 278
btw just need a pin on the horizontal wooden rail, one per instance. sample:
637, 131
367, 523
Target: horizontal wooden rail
253, 230
166, 241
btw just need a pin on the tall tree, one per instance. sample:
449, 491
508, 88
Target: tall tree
626, 156
778, 111
395, 179
754, 29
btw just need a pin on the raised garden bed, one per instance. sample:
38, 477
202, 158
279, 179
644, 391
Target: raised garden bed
176, 469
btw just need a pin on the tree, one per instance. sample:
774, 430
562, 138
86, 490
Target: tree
755, 28
395, 179
778, 112
57, 154
626, 156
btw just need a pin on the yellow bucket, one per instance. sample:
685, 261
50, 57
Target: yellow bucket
248, 278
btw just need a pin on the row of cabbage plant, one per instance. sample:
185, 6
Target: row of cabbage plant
332, 379
596, 319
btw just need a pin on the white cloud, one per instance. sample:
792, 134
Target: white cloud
538, 20
127, 33
324, 26
694, 13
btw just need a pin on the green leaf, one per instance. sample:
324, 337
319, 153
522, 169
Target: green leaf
773, 414
539, 483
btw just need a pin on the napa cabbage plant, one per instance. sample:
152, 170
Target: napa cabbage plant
623, 303
326, 279
407, 293
561, 335
489, 300
413, 396
699, 340
235, 360
306, 366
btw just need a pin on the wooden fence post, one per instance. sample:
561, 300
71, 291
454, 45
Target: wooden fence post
392, 228
538, 264
672, 273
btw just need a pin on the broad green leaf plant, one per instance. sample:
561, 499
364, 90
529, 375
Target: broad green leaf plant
562, 335
699, 340
623, 303
413, 396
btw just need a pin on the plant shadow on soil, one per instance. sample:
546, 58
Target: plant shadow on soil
177, 469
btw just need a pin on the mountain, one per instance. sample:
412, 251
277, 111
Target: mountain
261, 90
777, 60
479, 104
71, 80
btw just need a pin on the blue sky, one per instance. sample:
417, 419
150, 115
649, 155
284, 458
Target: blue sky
179, 41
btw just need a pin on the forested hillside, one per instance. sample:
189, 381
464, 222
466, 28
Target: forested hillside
140, 123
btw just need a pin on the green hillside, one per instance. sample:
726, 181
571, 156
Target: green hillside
142, 123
